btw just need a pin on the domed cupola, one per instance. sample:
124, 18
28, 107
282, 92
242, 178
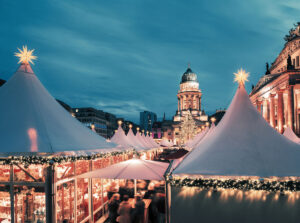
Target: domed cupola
188, 75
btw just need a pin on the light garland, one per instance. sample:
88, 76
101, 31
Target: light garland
266, 185
51, 160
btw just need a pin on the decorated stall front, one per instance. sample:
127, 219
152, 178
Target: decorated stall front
243, 171
43, 149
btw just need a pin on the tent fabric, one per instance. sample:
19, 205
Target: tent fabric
135, 142
131, 169
291, 135
192, 143
243, 144
120, 138
31, 120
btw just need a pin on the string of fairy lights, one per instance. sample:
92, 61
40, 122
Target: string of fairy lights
241, 184
27, 160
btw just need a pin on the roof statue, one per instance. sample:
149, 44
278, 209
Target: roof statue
242, 144
289, 66
267, 69
33, 121
293, 33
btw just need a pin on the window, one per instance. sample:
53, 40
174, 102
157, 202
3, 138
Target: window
297, 61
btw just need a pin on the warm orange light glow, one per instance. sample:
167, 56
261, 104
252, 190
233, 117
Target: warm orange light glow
241, 76
213, 119
138, 128
119, 122
25, 56
32, 134
130, 126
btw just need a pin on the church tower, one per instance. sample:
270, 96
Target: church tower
189, 97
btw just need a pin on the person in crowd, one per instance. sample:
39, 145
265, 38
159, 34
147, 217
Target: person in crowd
139, 210
122, 190
130, 189
124, 211
153, 213
161, 208
113, 206
150, 192
112, 189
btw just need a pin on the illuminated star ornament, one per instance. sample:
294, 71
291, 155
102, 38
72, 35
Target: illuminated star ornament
25, 56
241, 76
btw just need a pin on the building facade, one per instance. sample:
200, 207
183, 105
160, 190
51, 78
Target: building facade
189, 101
147, 119
189, 97
277, 93
99, 121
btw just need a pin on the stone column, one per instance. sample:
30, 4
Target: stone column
258, 104
265, 109
280, 111
178, 104
290, 108
272, 110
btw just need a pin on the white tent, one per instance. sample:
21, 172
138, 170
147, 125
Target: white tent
205, 135
141, 140
134, 141
288, 132
120, 138
243, 144
31, 120
131, 169
192, 143
152, 142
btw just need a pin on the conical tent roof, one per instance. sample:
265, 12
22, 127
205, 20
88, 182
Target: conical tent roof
134, 141
31, 120
291, 135
120, 138
243, 144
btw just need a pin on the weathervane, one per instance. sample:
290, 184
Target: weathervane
241, 76
25, 56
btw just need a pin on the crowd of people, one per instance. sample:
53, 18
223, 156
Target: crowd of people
125, 207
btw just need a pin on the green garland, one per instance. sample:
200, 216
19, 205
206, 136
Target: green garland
27, 160
262, 184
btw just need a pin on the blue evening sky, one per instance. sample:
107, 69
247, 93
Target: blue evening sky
128, 56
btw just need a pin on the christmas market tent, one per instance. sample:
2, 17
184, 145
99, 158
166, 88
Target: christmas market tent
146, 141
205, 135
131, 169
291, 135
243, 144
191, 143
135, 142
120, 138
243, 171
33, 121
151, 141
142, 141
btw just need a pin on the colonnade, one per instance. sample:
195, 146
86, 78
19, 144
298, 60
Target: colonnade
271, 114
183, 102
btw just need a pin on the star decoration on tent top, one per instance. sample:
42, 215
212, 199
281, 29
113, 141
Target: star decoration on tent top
25, 56
241, 76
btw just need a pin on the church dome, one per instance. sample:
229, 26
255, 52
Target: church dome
188, 75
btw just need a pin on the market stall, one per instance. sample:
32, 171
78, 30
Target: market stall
43, 149
244, 171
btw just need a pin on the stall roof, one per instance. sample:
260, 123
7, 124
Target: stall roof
32, 120
131, 169
291, 135
243, 144
120, 138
